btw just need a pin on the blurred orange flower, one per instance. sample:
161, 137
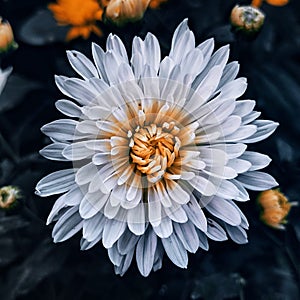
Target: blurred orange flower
275, 208
156, 3
258, 3
81, 15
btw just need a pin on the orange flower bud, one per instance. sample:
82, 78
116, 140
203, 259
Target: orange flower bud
6, 36
247, 18
275, 208
123, 11
8, 196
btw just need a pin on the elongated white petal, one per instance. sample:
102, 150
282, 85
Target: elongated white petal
68, 225
145, 251
224, 210
82, 65
257, 181
56, 183
54, 151
187, 234
113, 229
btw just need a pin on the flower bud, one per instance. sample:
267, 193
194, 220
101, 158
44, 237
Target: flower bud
6, 36
123, 11
275, 208
247, 18
8, 196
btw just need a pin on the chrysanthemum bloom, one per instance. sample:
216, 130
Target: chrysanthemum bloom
275, 208
124, 11
258, 3
159, 151
80, 15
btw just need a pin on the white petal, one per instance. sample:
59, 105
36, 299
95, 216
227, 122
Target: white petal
145, 251
176, 213
61, 130
125, 264
56, 183
230, 72
114, 255
165, 228
264, 129
152, 52
58, 205
115, 44
242, 134
82, 65
85, 174
204, 186
68, 108
54, 151
92, 204
81, 90
223, 210
183, 42
226, 189
93, 227
176, 192
215, 231
98, 56
127, 242
257, 181
77, 151
234, 89
175, 251
244, 107
188, 236
114, 229
154, 208
110, 211
68, 225
240, 165
257, 160
219, 58
237, 234
203, 242
195, 214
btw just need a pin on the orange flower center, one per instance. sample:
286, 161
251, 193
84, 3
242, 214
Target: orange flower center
154, 148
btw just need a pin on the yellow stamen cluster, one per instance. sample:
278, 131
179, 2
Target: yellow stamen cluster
155, 148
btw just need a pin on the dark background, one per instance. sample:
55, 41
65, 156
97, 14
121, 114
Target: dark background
33, 267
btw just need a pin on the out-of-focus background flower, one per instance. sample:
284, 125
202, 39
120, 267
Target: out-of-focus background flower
31, 266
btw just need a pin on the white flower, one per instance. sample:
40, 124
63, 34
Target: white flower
3, 77
159, 151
